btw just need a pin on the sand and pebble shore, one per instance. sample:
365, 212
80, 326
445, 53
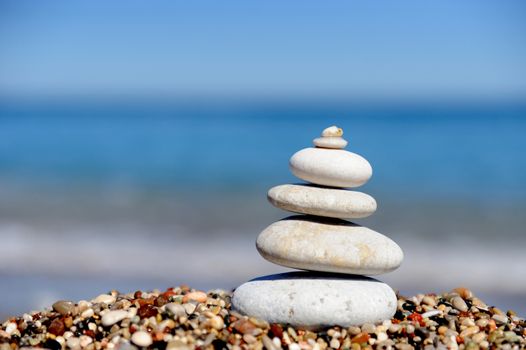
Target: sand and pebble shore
182, 318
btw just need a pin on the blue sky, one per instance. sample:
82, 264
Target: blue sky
349, 48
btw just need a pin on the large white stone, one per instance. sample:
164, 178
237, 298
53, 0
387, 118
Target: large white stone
331, 245
322, 201
330, 167
316, 300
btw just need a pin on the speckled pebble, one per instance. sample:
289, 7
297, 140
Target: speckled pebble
198, 296
189, 308
177, 310
216, 322
213, 324
85, 340
500, 318
459, 304
63, 307
142, 338
73, 342
112, 317
87, 313
104, 298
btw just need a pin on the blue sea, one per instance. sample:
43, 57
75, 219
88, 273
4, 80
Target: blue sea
141, 193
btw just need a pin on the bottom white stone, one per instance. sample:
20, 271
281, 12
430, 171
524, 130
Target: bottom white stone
315, 300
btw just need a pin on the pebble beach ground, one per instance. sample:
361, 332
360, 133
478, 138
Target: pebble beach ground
182, 318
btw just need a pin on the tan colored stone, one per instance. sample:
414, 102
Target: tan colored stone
329, 245
320, 201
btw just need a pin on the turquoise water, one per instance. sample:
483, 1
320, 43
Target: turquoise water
422, 150
133, 194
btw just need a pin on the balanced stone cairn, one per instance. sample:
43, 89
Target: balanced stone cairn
336, 253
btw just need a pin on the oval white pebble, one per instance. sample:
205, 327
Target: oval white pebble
330, 245
431, 313
114, 316
329, 202
73, 342
141, 338
84, 341
330, 167
104, 298
332, 131
87, 313
176, 309
330, 142
10, 328
316, 300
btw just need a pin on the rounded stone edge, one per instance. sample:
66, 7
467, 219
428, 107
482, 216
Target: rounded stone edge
328, 181
347, 271
326, 213
264, 309
332, 131
333, 142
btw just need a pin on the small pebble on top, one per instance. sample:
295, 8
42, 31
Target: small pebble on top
332, 131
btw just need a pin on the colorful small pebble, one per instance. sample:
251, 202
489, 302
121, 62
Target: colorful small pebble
181, 318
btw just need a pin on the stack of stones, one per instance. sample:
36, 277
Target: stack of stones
336, 253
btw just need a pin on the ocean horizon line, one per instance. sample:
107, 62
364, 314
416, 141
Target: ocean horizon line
212, 101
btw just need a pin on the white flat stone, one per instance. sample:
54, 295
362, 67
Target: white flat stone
331, 245
104, 298
330, 167
113, 316
321, 201
316, 300
330, 142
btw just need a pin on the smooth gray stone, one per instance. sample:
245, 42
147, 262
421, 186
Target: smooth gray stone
334, 142
322, 201
315, 300
328, 245
330, 167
